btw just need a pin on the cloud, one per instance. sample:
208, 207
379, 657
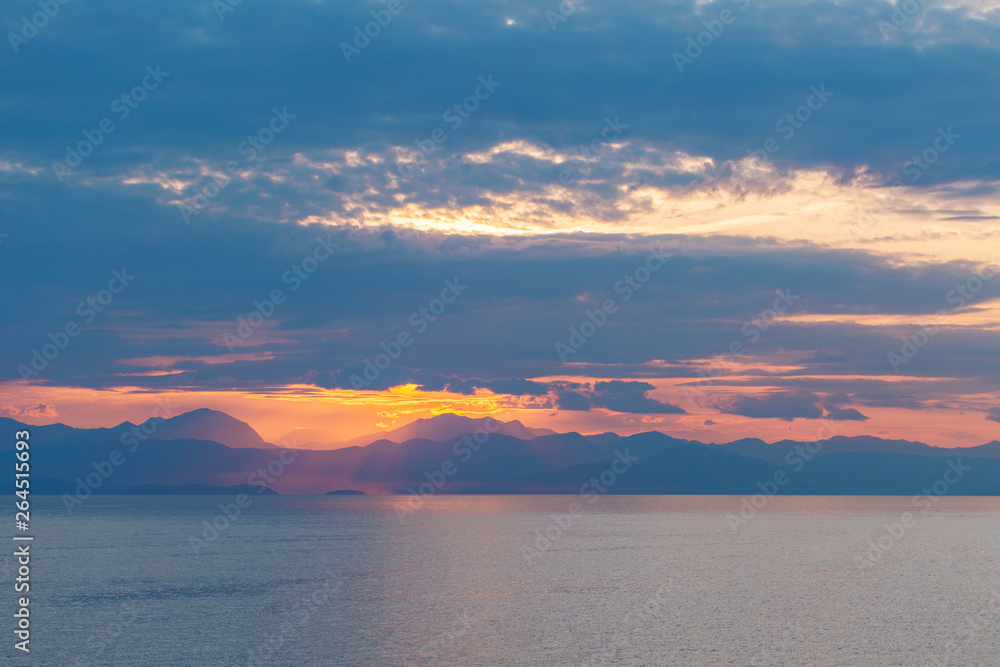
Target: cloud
364, 376
523, 294
788, 406
835, 410
617, 396
838, 398
338, 162
571, 400
993, 414
511, 386
823, 358
686, 130
908, 401
844, 414
41, 410
622, 396
709, 422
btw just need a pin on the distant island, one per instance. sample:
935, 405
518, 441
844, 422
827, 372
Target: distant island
346, 492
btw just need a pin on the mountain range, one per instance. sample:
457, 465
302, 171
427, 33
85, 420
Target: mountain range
205, 451
441, 427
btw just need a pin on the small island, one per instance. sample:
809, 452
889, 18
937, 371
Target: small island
345, 492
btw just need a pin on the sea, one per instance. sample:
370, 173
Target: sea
509, 580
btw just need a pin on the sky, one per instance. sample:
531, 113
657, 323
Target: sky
715, 219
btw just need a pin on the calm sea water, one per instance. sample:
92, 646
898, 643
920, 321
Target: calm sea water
472, 581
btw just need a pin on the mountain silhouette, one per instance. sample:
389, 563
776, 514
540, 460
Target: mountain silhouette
448, 426
216, 451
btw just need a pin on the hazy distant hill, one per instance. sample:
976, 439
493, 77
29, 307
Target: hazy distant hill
309, 438
777, 452
602, 438
169, 462
447, 427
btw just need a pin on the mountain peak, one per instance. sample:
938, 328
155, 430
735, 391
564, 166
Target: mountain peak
448, 426
208, 424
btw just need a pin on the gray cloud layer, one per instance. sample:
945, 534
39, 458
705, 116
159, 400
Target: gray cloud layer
356, 123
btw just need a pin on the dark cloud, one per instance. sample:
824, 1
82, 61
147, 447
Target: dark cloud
839, 398
618, 396
844, 414
194, 283
513, 386
892, 400
824, 358
787, 406
835, 410
935, 72
622, 396
571, 400
993, 414
355, 123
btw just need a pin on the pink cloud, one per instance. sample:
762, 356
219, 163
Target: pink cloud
40, 410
